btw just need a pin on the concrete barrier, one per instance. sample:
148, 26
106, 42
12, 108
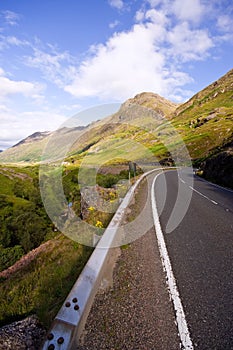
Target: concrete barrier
69, 323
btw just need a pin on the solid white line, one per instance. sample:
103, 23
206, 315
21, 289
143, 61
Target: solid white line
186, 342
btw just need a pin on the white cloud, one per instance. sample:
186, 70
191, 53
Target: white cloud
142, 59
114, 24
73, 108
157, 17
4, 109
12, 40
15, 126
11, 17
8, 41
55, 66
187, 44
39, 119
119, 4
225, 23
11, 87
121, 67
191, 10
179, 94
154, 3
133, 61
140, 16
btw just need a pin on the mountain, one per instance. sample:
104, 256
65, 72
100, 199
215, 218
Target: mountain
30, 149
209, 115
153, 101
37, 136
205, 121
142, 127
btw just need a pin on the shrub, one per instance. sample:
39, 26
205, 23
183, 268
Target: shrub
8, 256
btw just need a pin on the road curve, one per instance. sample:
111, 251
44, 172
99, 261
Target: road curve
136, 312
201, 255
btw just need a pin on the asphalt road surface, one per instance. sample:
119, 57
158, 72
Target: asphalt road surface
201, 255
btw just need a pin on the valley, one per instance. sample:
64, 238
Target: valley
147, 130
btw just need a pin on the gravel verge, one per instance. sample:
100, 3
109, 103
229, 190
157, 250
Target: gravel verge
136, 313
22, 335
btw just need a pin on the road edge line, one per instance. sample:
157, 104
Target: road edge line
186, 342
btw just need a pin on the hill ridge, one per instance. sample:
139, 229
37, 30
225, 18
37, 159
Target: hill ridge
204, 122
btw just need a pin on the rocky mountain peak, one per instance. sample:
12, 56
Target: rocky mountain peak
153, 101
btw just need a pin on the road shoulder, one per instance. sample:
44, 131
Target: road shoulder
136, 312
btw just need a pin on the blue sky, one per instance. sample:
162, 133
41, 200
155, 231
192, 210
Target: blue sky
60, 57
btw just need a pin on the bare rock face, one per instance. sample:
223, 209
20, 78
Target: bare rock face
27, 334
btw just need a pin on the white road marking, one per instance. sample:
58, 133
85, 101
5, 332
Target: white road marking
201, 194
186, 342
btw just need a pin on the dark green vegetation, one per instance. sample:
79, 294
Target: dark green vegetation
47, 274
23, 220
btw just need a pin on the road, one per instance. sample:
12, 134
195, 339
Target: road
136, 313
201, 255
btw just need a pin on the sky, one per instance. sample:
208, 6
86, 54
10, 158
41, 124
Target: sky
58, 58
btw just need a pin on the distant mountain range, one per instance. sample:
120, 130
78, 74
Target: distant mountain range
204, 122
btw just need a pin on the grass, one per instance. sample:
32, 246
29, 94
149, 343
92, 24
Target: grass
6, 185
42, 286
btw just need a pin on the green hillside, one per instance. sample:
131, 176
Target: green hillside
141, 130
147, 129
206, 120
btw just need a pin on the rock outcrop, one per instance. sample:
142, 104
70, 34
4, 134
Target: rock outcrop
219, 168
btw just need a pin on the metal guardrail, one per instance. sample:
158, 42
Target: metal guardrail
70, 321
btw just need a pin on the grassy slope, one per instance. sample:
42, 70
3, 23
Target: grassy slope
130, 134
30, 151
206, 120
42, 286
204, 124
25, 153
